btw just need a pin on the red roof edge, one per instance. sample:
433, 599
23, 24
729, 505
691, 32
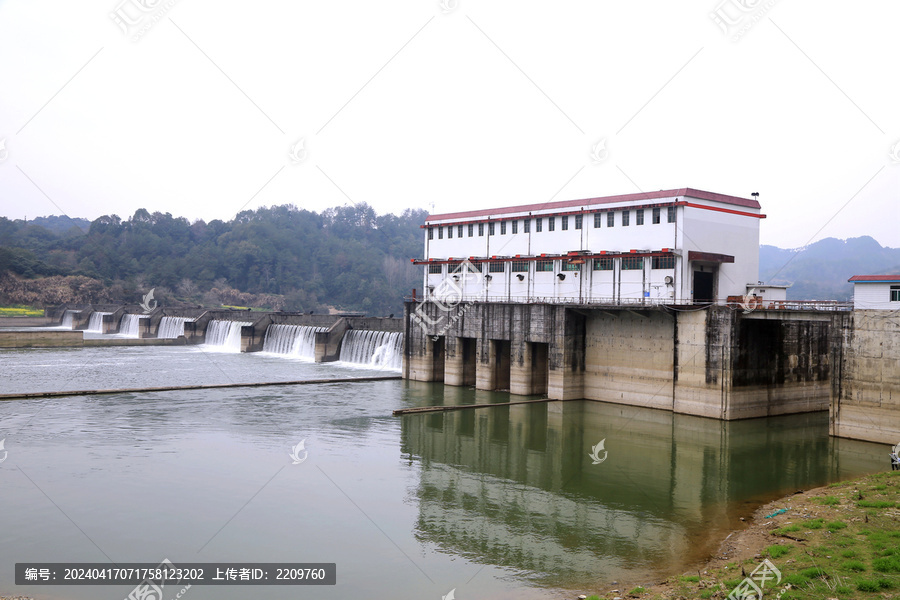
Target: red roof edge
882, 278
689, 192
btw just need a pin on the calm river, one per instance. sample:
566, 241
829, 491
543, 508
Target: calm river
494, 503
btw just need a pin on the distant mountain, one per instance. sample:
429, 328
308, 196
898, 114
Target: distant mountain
61, 225
820, 271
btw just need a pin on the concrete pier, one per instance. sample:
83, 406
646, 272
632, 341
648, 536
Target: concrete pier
866, 397
710, 361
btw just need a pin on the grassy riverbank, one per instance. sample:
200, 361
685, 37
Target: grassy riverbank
837, 542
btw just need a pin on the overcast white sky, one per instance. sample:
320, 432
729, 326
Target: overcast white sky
465, 105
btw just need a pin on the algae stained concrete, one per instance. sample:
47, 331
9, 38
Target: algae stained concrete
866, 397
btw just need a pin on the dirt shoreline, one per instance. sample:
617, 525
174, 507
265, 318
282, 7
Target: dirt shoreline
737, 547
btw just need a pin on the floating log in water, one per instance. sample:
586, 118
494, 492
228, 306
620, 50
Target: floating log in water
208, 386
428, 409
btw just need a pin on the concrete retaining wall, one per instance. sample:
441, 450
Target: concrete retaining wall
866, 398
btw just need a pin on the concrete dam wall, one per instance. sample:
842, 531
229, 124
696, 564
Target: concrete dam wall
710, 361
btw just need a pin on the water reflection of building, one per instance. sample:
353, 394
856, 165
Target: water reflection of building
515, 486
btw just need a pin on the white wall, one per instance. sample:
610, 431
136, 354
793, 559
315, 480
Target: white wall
723, 233
873, 295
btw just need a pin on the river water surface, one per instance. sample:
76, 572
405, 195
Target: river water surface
503, 502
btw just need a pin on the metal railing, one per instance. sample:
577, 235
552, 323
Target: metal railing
767, 305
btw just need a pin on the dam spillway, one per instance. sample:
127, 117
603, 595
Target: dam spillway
378, 349
292, 340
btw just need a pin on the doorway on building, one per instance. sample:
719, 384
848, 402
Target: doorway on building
704, 286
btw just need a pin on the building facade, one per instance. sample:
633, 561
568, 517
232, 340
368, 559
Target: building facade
671, 246
876, 292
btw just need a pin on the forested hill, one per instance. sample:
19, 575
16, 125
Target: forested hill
280, 257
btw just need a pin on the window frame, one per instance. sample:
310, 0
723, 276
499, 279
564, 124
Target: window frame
672, 214
435, 269
564, 225
516, 266
604, 263
481, 230
626, 218
632, 263
656, 216
611, 219
540, 264
639, 216
662, 262
496, 267
538, 225
551, 223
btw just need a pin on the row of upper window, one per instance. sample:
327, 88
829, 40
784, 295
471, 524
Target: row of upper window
551, 223
606, 263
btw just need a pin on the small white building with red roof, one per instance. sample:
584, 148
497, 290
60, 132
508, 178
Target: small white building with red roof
671, 246
876, 292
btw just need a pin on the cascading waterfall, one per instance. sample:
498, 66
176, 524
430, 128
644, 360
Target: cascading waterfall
172, 327
95, 324
130, 325
380, 349
68, 320
292, 340
225, 335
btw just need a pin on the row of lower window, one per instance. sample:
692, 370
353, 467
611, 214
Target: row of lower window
610, 217
629, 263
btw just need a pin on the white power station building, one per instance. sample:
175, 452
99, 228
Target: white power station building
671, 246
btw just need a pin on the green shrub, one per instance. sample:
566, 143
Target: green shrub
812, 572
787, 529
778, 550
795, 579
835, 525
875, 504
873, 585
854, 565
828, 500
849, 553
887, 564
815, 523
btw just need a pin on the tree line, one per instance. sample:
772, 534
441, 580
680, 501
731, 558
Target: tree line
279, 257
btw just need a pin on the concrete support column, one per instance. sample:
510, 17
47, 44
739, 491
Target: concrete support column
566, 378
423, 358
486, 365
453, 363
521, 374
